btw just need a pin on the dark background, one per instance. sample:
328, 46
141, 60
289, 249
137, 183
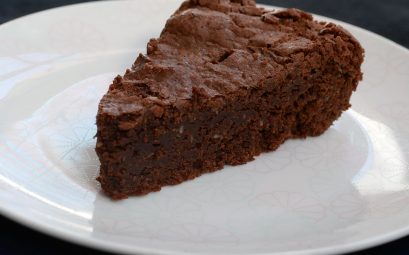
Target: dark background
388, 18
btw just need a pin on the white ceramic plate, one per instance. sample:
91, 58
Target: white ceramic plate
345, 190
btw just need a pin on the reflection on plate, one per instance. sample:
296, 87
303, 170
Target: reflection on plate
345, 190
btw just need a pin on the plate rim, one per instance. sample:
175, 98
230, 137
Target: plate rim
110, 246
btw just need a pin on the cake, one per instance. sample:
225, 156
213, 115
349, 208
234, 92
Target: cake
224, 82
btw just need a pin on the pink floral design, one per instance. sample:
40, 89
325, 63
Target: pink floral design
290, 202
349, 206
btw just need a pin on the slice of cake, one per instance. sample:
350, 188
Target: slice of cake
224, 82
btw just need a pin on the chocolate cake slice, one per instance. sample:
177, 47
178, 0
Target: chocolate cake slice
225, 81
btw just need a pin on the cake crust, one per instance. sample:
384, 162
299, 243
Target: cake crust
225, 81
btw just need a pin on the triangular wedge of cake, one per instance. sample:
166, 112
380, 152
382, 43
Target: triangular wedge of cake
224, 82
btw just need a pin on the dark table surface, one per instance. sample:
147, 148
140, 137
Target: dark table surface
388, 18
